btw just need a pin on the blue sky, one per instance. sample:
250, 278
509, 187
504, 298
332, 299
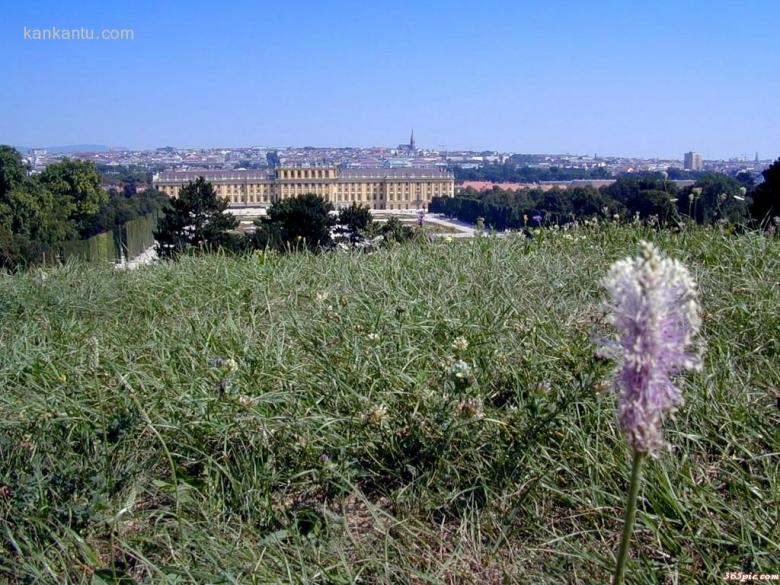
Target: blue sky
635, 78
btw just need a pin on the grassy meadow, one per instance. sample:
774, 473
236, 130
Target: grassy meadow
427, 413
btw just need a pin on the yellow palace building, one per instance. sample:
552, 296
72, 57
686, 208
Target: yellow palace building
402, 188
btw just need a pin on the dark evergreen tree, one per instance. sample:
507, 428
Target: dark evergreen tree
302, 221
196, 220
355, 222
766, 197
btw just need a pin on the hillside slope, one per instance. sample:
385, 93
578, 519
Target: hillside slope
307, 418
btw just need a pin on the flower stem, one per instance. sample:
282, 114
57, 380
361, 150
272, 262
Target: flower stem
628, 524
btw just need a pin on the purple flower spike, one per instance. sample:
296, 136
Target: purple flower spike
420, 218
653, 306
537, 219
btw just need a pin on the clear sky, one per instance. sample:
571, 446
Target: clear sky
622, 77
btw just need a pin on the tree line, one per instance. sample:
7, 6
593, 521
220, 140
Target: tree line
197, 220
40, 212
713, 198
509, 172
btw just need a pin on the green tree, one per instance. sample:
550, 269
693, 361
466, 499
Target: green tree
76, 186
394, 231
304, 220
654, 202
716, 196
196, 219
766, 197
32, 222
12, 169
355, 222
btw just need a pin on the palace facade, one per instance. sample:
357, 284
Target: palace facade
405, 188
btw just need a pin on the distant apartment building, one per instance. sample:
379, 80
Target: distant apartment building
406, 188
693, 162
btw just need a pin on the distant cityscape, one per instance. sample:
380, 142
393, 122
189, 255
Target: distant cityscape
407, 155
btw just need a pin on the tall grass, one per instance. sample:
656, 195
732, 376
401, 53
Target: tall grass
343, 448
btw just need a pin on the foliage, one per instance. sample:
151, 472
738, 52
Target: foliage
429, 413
766, 197
32, 221
715, 197
511, 172
272, 158
196, 221
121, 208
12, 169
355, 222
76, 187
394, 231
650, 196
303, 221
129, 176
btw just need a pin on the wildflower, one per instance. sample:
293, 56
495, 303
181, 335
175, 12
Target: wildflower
654, 308
376, 415
321, 296
448, 239
62, 378
616, 216
471, 408
537, 219
653, 305
247, 401
462, 374
324, 458
460, 369
331, 314
94, 355
227, 365
373, 337
543, 388
421, 218
460, 344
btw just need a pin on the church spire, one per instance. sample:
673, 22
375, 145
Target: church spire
411, 142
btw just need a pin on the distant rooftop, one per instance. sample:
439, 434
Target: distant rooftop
394, 173
270, 174
218, 175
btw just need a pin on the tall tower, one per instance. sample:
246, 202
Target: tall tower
412, 147
692, 161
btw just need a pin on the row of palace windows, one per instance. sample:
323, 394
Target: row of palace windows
304, 174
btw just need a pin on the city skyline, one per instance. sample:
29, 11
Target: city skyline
644, 82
